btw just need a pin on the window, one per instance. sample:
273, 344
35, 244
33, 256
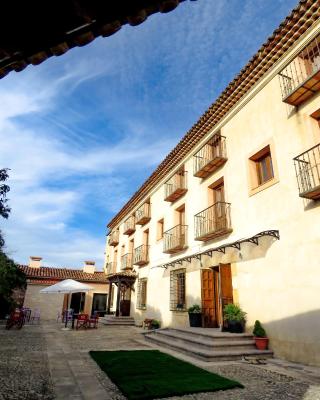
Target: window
263, 165
142, 294
160, 229
178, 290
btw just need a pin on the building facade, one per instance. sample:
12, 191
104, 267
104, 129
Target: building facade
50, 305
232, 214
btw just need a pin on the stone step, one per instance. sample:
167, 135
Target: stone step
212, 333
112, 320
211, 343
208, 355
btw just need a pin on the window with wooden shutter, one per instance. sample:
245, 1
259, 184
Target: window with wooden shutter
178, 290
142, 294
263, 164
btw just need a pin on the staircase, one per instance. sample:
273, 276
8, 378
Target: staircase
113, 320
207, 344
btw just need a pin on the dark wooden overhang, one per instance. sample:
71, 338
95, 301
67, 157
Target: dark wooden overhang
126, 278
31, 31
222, 249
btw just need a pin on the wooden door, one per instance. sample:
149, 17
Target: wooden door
208, 299
219, 210
226, 291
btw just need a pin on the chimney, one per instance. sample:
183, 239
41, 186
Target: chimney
89, 267
34, 262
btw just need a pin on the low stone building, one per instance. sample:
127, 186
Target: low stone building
39, 277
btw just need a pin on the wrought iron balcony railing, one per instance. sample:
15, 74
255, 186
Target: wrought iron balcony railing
307, 166
176, 186
114, 238
175, 239
210, 157
143, 214
129, 225
300, 79
111, 268
212, 222
126, 261
141, 255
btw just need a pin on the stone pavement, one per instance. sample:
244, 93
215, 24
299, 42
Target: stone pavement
44, 362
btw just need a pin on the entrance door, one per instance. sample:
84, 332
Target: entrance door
77, 302
209, 311
216, 293
99, 303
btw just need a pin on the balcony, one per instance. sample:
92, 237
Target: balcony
213, 222
141, 255
175, 239
143, 214
129, 225
176, 186
300, 79
210, 157
114, 238
111, 267
126, 261
307, 167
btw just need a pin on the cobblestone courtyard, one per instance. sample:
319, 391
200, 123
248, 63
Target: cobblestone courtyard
45, 362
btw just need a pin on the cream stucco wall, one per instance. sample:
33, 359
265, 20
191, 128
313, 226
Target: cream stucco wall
50, 304
276, 282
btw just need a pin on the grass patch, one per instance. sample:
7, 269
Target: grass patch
150, 374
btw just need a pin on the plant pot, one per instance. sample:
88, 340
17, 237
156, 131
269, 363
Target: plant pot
235, 326
261, 342
195, 320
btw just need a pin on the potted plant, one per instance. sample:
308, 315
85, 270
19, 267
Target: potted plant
260, 336
235, 318
155, 324
195, 316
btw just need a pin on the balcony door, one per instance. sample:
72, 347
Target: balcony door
216, 292
218, 214
181, 219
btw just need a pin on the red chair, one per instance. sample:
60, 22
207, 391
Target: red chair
82, 321
93, 321
16, 319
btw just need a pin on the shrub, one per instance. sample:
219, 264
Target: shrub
232, 312
258, 330
195, 309
155, 324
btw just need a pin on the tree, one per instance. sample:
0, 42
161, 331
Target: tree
11, 277
4, 208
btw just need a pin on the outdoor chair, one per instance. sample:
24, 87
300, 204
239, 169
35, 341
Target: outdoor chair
27, 314
16, 319
67, 315
93, 321
60, 316
36, 316
82, 321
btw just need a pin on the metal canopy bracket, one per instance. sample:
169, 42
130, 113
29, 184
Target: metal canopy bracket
222, 249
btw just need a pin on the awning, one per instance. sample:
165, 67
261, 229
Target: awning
67, 286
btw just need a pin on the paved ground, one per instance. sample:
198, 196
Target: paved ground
45, 362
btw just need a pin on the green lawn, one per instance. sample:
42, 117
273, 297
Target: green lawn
150, 374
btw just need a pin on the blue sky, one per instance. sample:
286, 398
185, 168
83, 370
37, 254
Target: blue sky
83, 131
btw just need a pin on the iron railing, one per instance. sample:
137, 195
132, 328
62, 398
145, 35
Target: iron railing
129, 225
114, 238
299, 79
212, 221
111, 268
126, 261
176, 186
307, 166
141, 255
175, 239
210, 156
143, 214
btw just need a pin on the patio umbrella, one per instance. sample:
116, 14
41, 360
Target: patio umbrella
67, 286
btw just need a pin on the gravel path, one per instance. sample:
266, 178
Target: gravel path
27, 357
24, 370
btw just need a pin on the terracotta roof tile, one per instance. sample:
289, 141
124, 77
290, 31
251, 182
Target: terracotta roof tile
44, 273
